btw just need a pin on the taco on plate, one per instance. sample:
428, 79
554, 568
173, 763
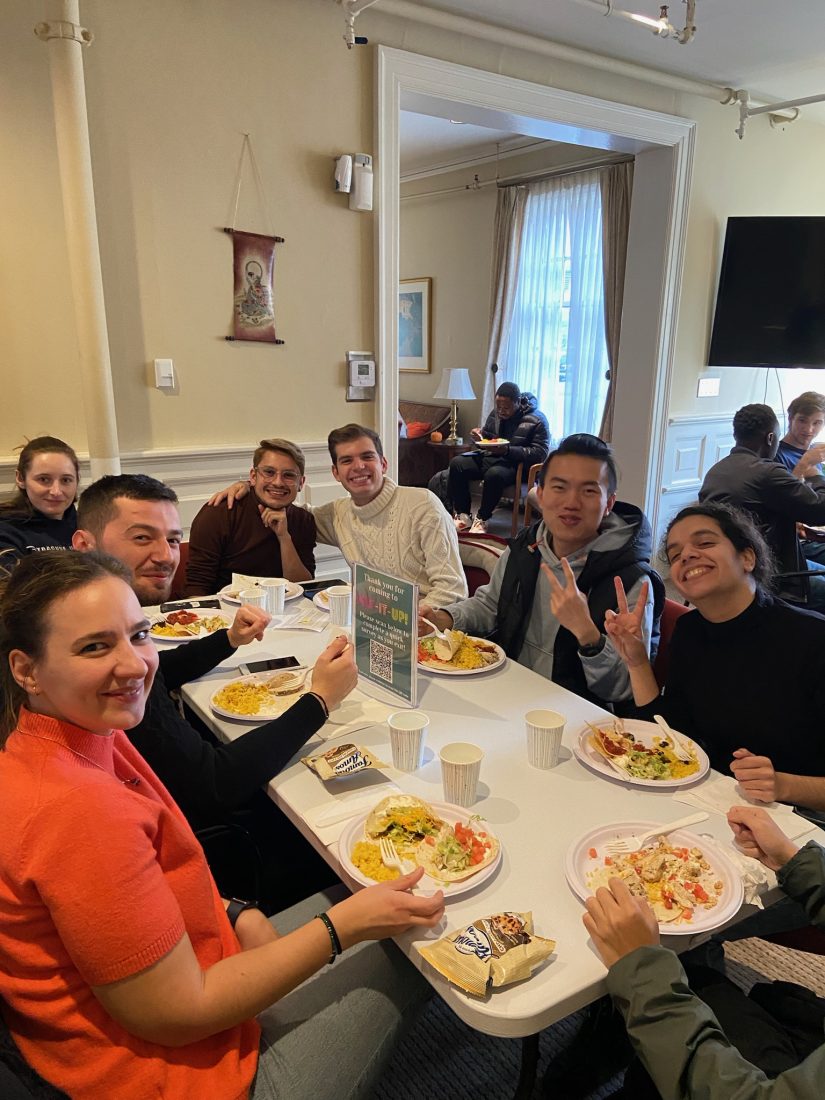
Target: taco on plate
456, 852
405, 820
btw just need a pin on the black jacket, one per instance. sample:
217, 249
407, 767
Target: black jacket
777, 501
22, 534
630, 562
209, 781
527, 432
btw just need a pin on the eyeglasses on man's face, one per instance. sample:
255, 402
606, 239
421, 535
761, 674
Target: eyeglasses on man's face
269, 473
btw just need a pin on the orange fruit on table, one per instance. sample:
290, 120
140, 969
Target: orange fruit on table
436, 437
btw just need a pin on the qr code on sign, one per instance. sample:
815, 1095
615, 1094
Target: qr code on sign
381, 661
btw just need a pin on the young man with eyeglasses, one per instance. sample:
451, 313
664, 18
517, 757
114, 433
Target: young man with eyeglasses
264, 535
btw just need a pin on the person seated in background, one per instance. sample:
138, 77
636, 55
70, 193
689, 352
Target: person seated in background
746, 675
135, 519
123, 973
267, 535
41, 515
799, 453
696, 1034
516, 418
395, 528
550, 590
749, 478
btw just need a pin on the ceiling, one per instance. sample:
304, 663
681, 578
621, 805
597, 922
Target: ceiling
774, 48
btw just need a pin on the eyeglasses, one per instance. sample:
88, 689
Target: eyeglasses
288, 477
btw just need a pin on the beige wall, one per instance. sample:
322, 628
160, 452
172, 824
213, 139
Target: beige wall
172, 84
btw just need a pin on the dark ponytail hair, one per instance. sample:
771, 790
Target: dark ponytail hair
20, 505
739, 529
26, 596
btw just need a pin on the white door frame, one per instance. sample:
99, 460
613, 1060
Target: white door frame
427, 84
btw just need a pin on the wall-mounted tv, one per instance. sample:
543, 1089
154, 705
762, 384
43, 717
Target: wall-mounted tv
770, 305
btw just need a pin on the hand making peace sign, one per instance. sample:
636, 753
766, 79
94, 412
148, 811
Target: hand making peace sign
569, 605
624, 627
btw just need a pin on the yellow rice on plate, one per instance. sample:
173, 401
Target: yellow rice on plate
367, 858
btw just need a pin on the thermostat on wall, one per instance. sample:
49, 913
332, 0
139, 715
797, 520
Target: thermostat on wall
360, 376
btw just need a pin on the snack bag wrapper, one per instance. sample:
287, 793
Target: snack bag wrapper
341, 761
500, 949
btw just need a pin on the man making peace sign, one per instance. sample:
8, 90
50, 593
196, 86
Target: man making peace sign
547, 598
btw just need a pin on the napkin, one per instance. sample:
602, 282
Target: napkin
718, 795
330, 819
306, 617
360, 712
754, 875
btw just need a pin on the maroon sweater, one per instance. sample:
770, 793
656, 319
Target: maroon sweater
223, 542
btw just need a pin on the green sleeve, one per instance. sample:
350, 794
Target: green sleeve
681, 1044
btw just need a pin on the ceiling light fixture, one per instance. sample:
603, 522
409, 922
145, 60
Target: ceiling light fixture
661, 26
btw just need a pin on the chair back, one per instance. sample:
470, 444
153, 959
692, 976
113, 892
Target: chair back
670, 613
532, 476
479, 555
179, 579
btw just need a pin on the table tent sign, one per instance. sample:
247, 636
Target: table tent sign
385, 628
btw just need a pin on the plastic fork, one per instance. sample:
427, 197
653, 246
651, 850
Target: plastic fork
391, 858
621, 845
676, 741
441, 634
295, 686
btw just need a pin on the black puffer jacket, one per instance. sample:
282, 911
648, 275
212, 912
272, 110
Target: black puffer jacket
527, 432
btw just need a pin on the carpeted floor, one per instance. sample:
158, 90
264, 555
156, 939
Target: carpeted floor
443, 1058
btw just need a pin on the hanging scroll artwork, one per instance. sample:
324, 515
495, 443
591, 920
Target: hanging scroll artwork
254, 265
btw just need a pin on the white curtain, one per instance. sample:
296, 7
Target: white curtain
556, 344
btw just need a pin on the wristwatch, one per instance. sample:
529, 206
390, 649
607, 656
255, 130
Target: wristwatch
594, 648
236, 907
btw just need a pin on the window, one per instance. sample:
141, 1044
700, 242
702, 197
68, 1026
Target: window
556, 344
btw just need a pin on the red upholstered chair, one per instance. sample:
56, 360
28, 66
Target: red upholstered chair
179, 579
671, 612
479, 554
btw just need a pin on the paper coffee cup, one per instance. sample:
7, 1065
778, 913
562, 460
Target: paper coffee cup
544, 732
255, 597
275, 590
340, 604
460, 769
408, 733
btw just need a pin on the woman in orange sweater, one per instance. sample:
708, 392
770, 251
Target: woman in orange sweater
120, 973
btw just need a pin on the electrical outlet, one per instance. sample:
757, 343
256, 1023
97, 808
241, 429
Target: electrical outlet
708, 387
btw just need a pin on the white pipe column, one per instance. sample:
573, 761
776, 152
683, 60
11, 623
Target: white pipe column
65, 39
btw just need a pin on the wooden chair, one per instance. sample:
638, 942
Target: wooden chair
670, 613
479, 555
532, 477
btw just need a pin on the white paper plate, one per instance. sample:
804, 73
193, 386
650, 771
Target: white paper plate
348, 711
209, 613
490, 443
449, 813
321, 599
644, 732
501, 657
578, 862
230, 593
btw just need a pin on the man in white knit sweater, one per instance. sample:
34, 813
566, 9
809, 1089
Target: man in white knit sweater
394, 528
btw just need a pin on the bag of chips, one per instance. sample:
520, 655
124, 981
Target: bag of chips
341, 761
500, 949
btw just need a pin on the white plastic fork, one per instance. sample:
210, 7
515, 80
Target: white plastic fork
679, 746
391, 858
621, 845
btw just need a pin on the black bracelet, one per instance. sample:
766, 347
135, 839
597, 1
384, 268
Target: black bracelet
333, 936
237, 906
323, 705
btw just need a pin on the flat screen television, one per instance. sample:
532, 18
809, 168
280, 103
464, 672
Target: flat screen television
770, 305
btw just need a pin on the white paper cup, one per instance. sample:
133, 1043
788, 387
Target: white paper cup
340, 604
275, 590
544, 732
408, 732
255, 597
460, 768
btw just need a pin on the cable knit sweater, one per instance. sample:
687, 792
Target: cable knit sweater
402, 531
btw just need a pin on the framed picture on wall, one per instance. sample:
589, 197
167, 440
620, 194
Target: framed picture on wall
415, 325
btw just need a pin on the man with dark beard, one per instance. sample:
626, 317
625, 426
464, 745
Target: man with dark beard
265, 535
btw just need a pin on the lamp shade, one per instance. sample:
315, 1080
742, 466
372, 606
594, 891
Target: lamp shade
455, 385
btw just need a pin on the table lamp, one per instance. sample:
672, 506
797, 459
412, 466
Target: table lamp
456, 386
